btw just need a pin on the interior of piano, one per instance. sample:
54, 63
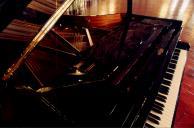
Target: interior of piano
73, 78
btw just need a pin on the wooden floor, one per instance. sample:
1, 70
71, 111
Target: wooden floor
181, 10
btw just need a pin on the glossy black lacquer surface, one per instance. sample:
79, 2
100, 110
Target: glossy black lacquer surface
66, 82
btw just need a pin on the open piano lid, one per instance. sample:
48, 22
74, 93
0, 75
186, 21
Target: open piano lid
9, 9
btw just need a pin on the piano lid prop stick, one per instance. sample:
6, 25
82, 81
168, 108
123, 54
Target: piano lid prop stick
44, 30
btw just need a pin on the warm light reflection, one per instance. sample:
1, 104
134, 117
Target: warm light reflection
191, 21
183, 9
56, 4
82, 7
97, 7
102, 10
173, 6
112, 6
190, 24
164, 9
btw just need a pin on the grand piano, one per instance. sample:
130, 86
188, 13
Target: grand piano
119, 70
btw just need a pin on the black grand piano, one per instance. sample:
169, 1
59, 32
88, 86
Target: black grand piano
80, 71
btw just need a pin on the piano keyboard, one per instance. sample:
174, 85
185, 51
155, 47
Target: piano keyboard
162, 112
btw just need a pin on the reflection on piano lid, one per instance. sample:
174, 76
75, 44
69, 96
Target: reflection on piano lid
81, 7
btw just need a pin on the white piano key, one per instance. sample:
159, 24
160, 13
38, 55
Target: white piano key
169, 106
167, 79
173, 60
170, 73
165, 86
171, 63
152, 124
167, 117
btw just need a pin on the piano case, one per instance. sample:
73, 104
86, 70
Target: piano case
129, 78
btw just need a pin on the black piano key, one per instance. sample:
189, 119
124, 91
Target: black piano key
154, 116
170, 70
177, 50
174, 61
164, 87
173, 66
158, 107
175, 57
164, 90
161, 99
159, 104
166, 82
168, 76
156, 110
176, 54
148, 125
164, 97
153, 120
